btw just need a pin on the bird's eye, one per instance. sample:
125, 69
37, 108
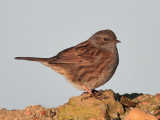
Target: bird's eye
105, 39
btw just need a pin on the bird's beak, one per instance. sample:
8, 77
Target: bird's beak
117, 41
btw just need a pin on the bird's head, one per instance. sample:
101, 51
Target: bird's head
105, 40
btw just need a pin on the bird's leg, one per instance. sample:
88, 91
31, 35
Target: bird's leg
87, 90
91, 93
94, 93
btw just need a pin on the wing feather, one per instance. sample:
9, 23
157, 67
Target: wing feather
82, 53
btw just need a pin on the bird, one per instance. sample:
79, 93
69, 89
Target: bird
89, 64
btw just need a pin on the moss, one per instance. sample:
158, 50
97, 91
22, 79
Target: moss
78, 111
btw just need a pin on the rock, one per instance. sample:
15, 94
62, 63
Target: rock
113, 107
91, 108
29, 113
138, 114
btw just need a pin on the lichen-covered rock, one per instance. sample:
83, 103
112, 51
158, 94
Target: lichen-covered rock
91, 108
148, 103
112, 107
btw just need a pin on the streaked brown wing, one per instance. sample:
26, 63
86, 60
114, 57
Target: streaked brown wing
65, 56
82, 53
87, 52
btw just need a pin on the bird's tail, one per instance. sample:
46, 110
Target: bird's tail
33, 59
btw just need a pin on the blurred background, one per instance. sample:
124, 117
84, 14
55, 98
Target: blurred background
42, 28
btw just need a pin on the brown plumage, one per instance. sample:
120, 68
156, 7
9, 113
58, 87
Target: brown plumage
89, 64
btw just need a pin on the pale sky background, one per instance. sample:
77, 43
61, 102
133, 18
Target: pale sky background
42, 28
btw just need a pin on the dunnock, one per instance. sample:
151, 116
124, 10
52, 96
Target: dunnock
87, 65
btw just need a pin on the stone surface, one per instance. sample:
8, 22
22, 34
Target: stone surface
113, 107
138, 114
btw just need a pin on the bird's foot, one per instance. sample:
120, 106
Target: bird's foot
98, 96
94, 93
